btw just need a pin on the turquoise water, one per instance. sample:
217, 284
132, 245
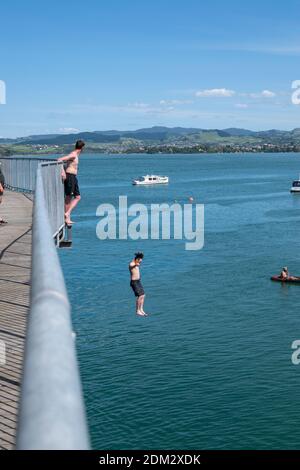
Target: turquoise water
211, 367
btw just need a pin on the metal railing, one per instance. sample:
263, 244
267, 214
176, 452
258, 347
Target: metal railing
20, 175
20, 172
53, 195
51, 411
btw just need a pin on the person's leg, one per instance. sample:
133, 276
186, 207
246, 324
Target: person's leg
2, 221
73, 203
139, 310
68, 195
68, 200
142, 304
74, 187
137, 307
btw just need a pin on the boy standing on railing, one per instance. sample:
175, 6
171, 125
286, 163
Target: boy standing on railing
2, 184
72, 193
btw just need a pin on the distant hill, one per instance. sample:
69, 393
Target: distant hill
239, 132
159, 138
155, 134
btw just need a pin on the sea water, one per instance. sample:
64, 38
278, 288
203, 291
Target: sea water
211, 365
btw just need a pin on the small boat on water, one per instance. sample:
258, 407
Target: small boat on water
295, 186
151, 179
289, 280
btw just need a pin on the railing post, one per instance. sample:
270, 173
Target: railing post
66, 242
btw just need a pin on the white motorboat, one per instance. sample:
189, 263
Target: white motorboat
295, 186
151, 179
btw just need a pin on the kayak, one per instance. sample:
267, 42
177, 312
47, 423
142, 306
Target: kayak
295, 280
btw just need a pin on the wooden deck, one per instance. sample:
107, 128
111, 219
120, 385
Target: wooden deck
15, 263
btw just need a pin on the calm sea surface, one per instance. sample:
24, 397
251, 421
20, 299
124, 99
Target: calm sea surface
211, 367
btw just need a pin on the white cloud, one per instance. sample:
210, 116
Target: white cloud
261, 94
241, 105
139, 105
268, 94
68, 130
174, 102
216, 92
150, 112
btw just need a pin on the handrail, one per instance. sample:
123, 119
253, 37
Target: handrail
52, 412
54, 195
20, 175
20, 172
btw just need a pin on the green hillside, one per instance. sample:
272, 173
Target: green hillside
159, 139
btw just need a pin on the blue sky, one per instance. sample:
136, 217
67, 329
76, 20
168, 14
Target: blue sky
127, 64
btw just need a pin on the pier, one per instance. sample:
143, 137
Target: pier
41, 403
15, 261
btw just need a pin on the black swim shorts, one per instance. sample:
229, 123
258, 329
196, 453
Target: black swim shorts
71, 185
137, 288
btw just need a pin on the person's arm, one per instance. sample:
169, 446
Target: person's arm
67, 158
1, 188
63, 173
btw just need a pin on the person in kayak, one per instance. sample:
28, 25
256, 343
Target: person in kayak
136, 285
285, 275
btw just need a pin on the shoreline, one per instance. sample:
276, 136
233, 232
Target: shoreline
159, 152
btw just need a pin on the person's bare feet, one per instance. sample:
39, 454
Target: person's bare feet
141, 314
67, 219
144, 313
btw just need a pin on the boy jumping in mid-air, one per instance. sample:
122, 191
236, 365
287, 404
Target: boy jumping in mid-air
72, 193
136, 285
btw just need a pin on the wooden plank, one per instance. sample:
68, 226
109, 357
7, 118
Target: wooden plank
15, 265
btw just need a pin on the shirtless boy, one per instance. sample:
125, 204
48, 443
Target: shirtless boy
72, 193
136, 285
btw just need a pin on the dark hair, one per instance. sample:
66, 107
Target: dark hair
139, 255
79, 145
